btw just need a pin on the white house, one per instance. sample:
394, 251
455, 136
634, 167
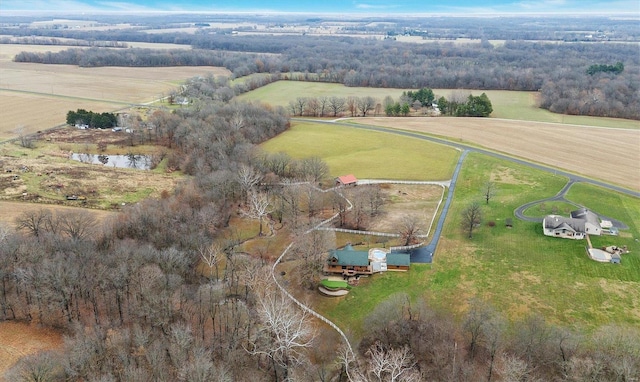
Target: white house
581, 222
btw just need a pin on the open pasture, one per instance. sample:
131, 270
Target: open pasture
607, 154
366, 154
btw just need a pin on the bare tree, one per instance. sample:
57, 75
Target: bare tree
473, 324
285, 332
336, 105
365, 104
211, 255
248, 177
38, 367
323, 103
410, 227
34, 221
488, 191
26, 140
391, 365
77, 225
352, 106
259, 207
493, 331
313, 107
471, 218
314, 169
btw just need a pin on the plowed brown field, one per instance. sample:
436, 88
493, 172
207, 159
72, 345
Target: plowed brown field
38, 96
608, 154
19, 339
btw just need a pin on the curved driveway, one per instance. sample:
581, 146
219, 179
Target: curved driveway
425, 254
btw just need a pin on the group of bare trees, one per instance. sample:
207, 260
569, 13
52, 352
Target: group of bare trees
406, 341
334, 106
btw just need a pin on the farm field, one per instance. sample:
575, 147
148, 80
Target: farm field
18, 340
614, 153
57, 89
506, 104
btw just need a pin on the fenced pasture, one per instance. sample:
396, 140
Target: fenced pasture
366, 154
518, 270
52, 90
607, 154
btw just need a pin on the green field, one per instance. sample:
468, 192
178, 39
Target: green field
506, 104
366, 154
518, 269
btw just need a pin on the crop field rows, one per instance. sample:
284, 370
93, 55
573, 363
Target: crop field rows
35, 97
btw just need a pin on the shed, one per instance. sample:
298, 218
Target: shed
346, 180
398, 261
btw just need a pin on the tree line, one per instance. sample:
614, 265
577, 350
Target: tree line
94, 120
514, 65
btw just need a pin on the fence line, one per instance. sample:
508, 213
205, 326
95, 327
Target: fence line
304, 307
319, 226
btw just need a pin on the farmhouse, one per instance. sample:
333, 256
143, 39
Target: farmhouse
580, 223
346, 180
349, 262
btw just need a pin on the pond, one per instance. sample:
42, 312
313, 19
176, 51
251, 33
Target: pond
141, 162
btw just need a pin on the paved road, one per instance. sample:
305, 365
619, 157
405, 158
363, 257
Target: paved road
560, 197
425, 254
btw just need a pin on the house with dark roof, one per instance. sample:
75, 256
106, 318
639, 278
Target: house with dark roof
349, 262
346, 180
579, 223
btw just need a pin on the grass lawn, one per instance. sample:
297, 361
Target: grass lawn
519, 270
334, 284
550, 208
366, 154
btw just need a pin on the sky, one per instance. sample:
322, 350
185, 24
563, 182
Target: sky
378, 7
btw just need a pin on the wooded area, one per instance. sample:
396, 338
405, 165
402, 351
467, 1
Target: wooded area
165, 293
558, 70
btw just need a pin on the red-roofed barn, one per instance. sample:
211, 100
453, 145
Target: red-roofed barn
346, 180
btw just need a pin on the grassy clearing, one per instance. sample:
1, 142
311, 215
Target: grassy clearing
281, 92
366, 154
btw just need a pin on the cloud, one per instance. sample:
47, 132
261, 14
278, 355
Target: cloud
374, 6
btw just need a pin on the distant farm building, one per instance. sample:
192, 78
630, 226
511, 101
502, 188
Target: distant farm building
580, 223
346, 180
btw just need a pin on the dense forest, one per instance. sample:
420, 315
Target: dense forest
164, 292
